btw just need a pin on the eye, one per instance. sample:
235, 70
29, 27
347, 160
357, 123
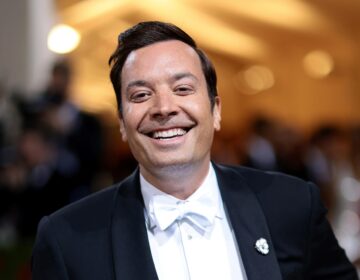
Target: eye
140, 96
184, 90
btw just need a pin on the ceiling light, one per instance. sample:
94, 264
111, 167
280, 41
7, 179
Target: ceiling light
318, 64
259, 78
63, 39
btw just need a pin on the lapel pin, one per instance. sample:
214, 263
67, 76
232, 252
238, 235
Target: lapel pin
262, 246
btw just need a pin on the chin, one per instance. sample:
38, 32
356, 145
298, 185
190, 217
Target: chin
163, 163
168, 163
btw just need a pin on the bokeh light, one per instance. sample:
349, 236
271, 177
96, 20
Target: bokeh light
318, 64
63, 39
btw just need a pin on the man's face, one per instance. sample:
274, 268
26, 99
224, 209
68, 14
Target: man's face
167, 118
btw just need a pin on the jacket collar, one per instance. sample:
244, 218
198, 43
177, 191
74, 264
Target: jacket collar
132, 257
249, 224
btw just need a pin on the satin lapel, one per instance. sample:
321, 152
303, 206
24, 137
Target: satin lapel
132, 257
249, 224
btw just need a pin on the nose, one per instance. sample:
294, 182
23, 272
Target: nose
164, 106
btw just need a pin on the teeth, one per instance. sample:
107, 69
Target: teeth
168, 133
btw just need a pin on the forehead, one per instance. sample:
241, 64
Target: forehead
162, 58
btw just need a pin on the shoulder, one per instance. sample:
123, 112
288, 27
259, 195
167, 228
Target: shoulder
262, 181
69, 231
93, 211
278, 194
79, 233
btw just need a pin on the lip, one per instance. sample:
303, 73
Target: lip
148, 127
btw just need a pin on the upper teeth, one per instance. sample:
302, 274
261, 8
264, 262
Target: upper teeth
169, 133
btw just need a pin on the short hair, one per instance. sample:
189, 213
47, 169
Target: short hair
151, 32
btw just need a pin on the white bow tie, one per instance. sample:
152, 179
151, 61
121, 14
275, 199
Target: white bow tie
165, 210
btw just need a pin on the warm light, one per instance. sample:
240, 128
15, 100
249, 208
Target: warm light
318, 64
350, 221
63, 39
259, 78
350, 189
229, 40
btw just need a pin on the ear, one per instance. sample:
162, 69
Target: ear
122, 129
217, 113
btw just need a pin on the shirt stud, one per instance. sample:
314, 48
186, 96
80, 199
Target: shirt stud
262, 246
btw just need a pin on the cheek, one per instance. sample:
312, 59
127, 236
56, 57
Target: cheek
133, 114
126, 107
197, 105
202, 111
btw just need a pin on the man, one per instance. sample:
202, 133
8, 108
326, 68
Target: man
179, 216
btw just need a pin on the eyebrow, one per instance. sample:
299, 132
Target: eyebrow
180, 76
176, 77
137, 83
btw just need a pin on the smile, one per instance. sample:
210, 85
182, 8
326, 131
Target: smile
168, 134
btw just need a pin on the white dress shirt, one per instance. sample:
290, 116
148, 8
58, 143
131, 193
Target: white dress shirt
183, 251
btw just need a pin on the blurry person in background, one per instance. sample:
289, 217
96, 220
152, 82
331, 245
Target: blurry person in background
179, 215
54, 158
78, 134
34, 180
290, 148
260, 149
355, 148
47, 183
336, 174
320, 159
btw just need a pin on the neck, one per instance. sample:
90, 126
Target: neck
180, 181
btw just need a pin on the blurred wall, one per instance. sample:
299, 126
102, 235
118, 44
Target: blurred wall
24, 25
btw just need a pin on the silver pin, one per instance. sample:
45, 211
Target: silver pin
262, 246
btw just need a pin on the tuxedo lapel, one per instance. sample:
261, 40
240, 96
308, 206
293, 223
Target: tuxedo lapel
249, 224
132, 257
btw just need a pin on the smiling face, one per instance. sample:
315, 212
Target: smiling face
166, 113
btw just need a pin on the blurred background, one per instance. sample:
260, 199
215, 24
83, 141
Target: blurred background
289, 80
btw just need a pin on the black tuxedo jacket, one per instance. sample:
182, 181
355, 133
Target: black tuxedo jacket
104, 235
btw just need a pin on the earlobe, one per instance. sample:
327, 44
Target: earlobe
217, 113
122, 130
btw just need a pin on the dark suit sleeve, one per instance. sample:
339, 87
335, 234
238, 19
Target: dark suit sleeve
47, 261
326, 259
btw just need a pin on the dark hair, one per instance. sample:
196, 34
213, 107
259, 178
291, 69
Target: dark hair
147, 33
